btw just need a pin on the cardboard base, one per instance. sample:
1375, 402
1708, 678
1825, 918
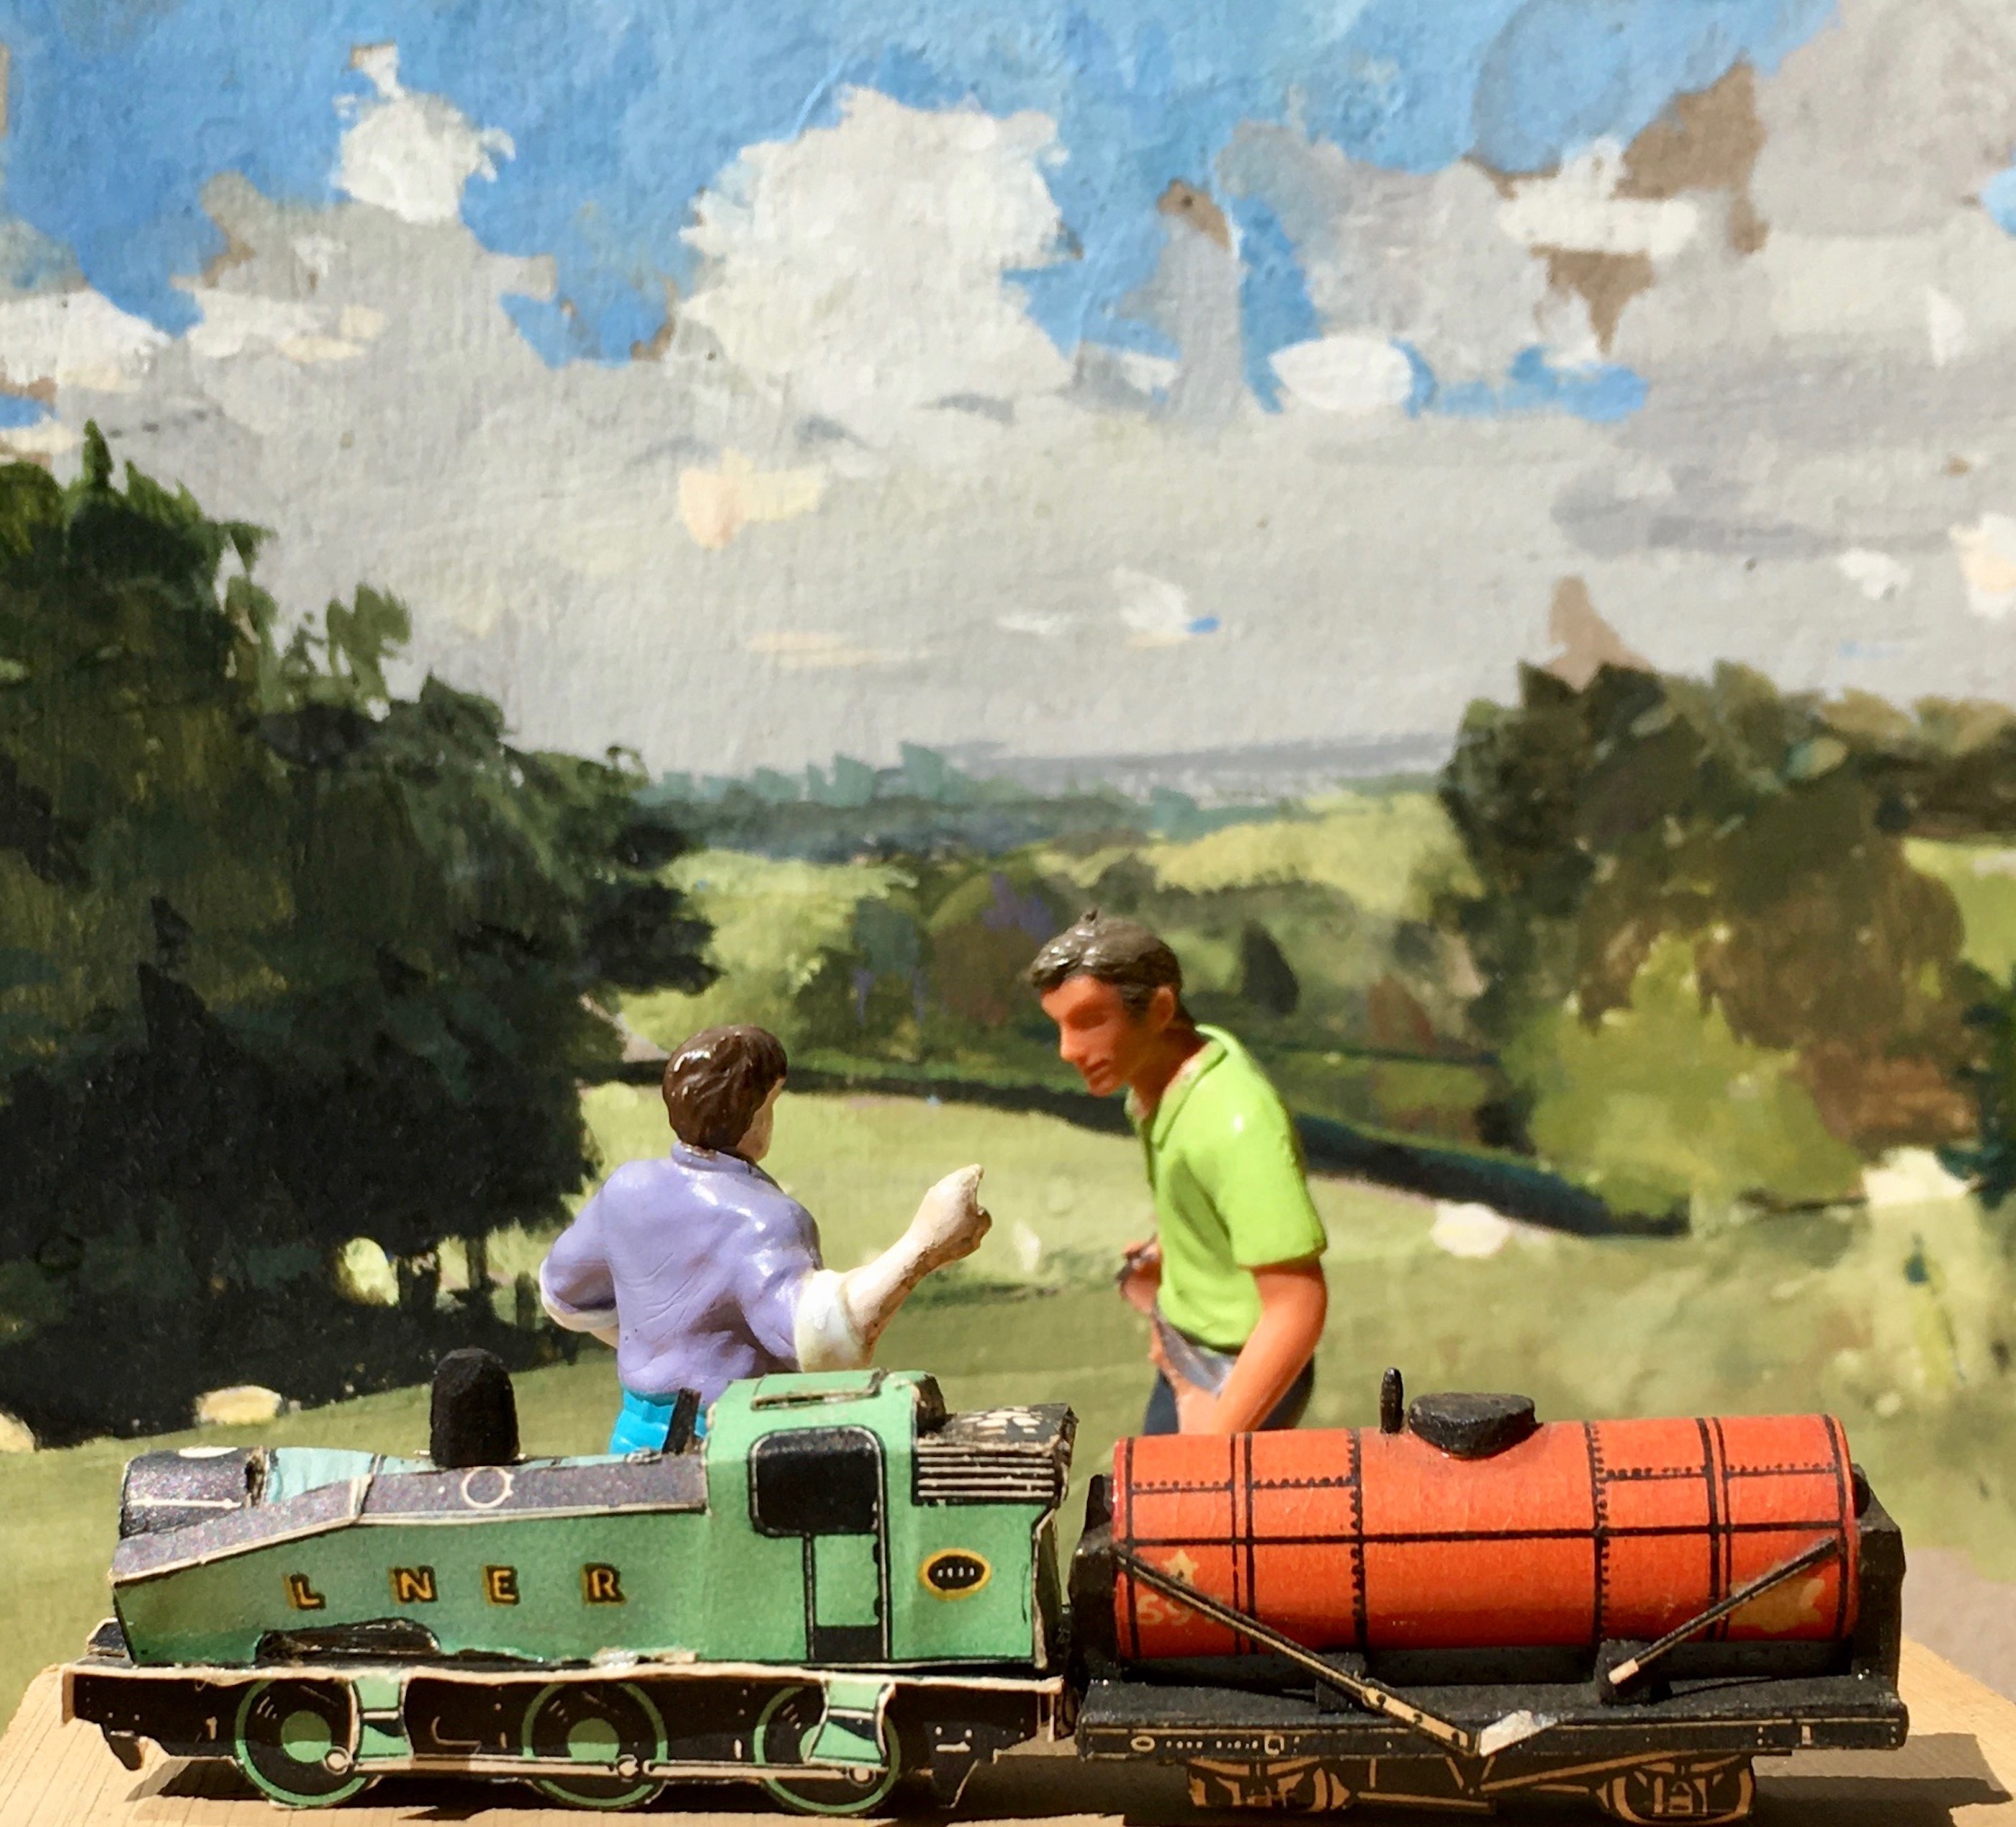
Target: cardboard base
1959, 1770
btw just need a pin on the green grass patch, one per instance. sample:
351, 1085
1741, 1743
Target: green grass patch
771, 917
1659, 1104
1898, 1319
1384, 850
1982, 877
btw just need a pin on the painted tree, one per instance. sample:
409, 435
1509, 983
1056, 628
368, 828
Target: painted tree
1761, 832
286, 957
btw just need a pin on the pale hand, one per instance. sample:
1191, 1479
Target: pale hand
950, 1222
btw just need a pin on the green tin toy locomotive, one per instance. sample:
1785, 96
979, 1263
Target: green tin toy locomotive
840, 1582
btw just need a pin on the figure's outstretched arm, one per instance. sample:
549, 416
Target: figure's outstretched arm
840, 1316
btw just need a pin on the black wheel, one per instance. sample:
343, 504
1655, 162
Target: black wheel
784, 1729
297, 1742
1706, 1793
608, 1727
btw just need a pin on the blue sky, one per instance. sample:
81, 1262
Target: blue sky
119, 112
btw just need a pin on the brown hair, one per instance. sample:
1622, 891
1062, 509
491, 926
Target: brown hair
1122, 952
717, 1081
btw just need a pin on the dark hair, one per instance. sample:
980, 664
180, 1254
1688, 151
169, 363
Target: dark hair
1122, 952
717, 1081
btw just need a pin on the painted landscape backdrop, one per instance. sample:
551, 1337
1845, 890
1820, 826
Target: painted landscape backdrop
523, 536
320, 994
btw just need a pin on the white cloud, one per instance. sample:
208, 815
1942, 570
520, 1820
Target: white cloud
39, 442
235, 321
1042, 625
1950, 291
408, 152
1876, 575
858, 268
78, 339
1578, 208
1157, 612
820, 650
717, 503
1354, 375
1945, 327
1149, 374
1987, 555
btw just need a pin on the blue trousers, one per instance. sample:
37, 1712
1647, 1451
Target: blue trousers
1161, 1417
643, 1422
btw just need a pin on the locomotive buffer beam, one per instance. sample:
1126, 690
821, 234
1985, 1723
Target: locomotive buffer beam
1500, 1734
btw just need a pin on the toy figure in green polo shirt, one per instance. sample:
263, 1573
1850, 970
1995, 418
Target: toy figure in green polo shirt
1233, 1281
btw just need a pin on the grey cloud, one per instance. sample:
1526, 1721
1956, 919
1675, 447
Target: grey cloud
1400, 254
1888, 118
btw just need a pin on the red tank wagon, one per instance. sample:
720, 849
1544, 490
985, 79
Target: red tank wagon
1471, 1603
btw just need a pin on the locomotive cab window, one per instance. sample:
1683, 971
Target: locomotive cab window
816, 1481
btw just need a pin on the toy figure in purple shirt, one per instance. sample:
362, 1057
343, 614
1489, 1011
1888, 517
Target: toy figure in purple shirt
699, 1268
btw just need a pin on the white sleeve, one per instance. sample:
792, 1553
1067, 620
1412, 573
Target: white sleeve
824, 1338
598, 1319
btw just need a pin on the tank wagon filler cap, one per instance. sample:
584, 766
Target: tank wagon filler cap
1472, 1427
1465, 1426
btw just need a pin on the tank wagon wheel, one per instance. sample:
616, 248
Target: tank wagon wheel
786, 1722
297, 1742
610, 1728
1709, 1794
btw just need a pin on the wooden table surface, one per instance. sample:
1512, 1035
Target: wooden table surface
1959, 1768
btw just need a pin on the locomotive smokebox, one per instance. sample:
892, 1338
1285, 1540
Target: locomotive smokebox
1477, 1526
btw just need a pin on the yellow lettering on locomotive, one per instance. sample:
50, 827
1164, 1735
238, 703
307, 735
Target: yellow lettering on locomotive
500, 1585
600, 1584
412, 1585
301, 1594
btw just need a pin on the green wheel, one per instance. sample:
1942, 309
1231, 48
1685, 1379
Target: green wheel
784, 1727
611, 1729
297, 1742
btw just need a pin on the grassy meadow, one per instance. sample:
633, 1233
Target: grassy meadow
1897, 1312
1897, 1316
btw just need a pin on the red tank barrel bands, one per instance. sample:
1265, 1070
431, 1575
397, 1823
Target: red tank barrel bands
1583, 1532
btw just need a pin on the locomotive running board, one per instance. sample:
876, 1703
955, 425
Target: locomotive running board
1500, 1734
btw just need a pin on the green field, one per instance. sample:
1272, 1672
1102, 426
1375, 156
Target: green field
1899, 1318
1982, 877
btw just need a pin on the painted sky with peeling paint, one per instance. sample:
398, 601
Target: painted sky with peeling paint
605, 124
745, 383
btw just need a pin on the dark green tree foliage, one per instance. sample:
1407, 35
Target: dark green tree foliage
1764, 829
1988, 1159
1266, 979
285, 959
